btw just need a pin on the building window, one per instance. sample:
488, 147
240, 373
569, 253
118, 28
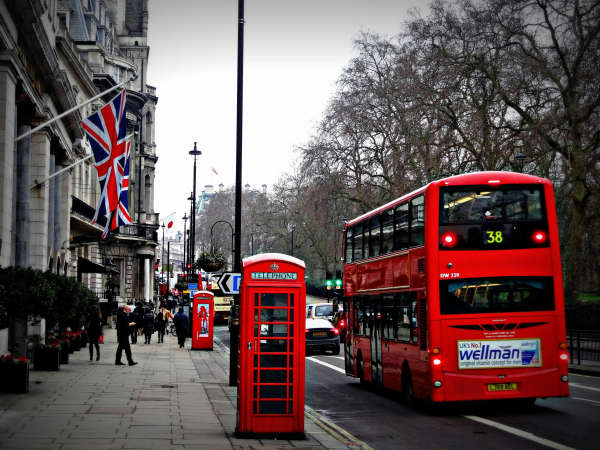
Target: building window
118, 74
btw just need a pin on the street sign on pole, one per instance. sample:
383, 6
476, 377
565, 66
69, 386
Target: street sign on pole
229, 283
192, 286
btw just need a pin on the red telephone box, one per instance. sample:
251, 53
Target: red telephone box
202, 320
272, 347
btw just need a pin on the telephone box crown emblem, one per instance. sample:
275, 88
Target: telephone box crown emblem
274, 266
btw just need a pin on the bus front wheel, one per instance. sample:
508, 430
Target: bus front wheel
407, 391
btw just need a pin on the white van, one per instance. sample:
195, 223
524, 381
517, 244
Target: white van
320, 311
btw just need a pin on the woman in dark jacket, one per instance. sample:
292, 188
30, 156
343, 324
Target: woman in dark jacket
94, 330
148, 324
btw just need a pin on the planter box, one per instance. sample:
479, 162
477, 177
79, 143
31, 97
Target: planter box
84, 340
71, 345
77, 342
211, 266
64, 353
46, 359
14, 378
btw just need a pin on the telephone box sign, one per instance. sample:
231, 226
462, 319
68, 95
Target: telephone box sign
496, 353
274, 276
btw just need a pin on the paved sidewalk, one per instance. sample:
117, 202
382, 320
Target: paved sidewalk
173, 399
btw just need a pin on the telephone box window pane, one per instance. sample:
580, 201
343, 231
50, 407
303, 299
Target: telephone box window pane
291, 330
255, 299
291, 361
267, 407
291, 350
256, 315
273, 360
255, 360
292, 300
272, 330
254, 407
255, 330
256, 376
290, 391
273, 346
272, 376
280, 300
290, 407
255, 392
291, 315
273, 315
267, 391
291, 376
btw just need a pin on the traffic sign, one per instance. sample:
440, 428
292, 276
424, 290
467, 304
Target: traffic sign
192, 286
229, 283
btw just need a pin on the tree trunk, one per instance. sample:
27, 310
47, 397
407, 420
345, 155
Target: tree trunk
580, 197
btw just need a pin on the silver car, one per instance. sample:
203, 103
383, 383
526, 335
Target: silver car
322, 335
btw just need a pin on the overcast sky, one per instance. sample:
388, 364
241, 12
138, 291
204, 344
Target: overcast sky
293, 53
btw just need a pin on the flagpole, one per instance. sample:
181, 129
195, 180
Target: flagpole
87, 102
39, 183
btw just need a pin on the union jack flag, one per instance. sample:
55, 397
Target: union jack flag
106, 132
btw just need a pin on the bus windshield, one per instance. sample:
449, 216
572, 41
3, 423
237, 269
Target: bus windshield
460, 206
502, 294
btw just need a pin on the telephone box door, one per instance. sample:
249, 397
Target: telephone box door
202, 318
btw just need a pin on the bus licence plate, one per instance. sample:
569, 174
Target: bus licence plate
502, 387
319, 334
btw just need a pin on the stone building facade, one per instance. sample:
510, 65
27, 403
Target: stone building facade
55, 55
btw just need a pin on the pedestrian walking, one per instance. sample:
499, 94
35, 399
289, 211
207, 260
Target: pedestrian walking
162, 319
181, 327
148, 324
94, 331
124, 324
134, 317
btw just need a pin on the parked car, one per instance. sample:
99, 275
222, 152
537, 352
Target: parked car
320, 311
340, 322
322, 335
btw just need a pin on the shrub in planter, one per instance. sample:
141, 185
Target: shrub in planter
47, 357
14, 374
212, 260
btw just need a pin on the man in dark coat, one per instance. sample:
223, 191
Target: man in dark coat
148, 324
134, 317
181, 327
124, 326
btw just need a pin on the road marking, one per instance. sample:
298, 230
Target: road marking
577, 385
310, 358
585, 399
331, 356
578, 375
339, 433
523, 434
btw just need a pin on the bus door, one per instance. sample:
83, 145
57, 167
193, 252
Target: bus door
348, 355
375, 330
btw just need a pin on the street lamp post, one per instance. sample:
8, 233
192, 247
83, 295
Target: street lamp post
194, 154
521, 158
235, 323
168, 269
293, 227
184, 269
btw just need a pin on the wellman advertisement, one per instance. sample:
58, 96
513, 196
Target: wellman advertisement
477, 354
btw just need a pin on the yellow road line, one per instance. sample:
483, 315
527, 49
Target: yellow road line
340, 434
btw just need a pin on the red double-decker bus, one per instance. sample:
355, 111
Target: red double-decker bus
454, 292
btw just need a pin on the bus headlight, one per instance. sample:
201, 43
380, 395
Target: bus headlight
437, 362
437, 383
564, 356
564, 378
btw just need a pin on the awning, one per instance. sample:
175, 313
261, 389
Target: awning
86, 266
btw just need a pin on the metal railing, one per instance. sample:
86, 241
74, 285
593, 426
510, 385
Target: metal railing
583, 345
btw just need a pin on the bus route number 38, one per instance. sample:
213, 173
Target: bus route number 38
450, 275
